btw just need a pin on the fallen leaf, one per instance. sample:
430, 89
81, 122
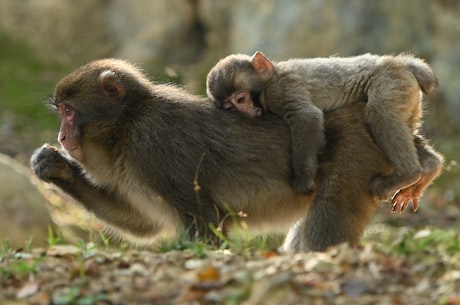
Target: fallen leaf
268, 254
62, 250
453, 301
29, 289
210, 273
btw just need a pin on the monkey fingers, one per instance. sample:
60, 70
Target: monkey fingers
48, 164
403, 197
431, 169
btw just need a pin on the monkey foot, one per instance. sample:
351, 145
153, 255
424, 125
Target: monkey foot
305, 186
383, 187
413, 193
403, 197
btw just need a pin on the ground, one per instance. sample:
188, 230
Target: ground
416, 267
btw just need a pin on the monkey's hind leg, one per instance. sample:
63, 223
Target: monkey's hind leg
393, 114
431, 165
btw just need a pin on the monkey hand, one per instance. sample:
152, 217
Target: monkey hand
49, 164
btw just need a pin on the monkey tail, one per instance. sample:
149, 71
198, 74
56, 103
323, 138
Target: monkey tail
422, 72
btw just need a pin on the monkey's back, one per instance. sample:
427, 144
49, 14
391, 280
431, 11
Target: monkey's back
235, 161
329, 82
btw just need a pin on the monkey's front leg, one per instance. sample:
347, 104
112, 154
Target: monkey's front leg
51, 166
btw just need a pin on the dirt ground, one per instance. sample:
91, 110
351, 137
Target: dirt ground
418, 268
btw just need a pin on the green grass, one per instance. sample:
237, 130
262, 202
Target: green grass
439, 241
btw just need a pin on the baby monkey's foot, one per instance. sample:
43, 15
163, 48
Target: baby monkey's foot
305, 185
402, 198
413, 193
384, 187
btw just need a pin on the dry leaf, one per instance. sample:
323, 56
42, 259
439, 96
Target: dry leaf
63, 250
29, 289
210, 274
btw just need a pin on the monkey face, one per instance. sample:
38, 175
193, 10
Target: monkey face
68, 133
242, 102
235, 82
86, 100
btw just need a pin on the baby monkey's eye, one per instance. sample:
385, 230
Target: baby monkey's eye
227, 106
240, 97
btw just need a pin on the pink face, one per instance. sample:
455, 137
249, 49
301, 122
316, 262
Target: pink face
67, 132
241, 101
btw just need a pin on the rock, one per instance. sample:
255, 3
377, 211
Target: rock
23, 214
157, 31
181, 40
28, 207
322, 28
62, 31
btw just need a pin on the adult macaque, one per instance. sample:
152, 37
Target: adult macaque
151, 160
299, 90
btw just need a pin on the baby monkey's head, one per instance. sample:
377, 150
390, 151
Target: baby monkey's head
235, 82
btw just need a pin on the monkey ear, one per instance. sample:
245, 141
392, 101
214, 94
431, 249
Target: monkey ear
262, 65
111, 85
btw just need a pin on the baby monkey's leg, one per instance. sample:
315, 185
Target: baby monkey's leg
431, 162
307, 139
393, 113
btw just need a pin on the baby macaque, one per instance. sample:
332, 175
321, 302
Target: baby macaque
299, 90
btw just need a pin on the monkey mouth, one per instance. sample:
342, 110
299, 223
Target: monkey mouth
73, 151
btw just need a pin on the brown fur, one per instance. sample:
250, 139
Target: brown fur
299, 90
145, 147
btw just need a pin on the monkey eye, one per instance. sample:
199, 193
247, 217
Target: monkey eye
240, 97
66, 111
227, 106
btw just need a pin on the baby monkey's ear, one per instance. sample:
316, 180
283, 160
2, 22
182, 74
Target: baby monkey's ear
263, 65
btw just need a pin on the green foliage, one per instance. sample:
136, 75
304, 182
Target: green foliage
74, 297
53, 238
184, 243
5, 249
24, 267
26, 82
19, 266
105, 240
241, 241
428, 241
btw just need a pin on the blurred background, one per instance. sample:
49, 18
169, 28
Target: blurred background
180, 40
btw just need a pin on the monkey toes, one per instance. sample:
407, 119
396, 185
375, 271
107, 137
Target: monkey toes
48, 164
305, 185
383, 187
431, 168
401, 199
